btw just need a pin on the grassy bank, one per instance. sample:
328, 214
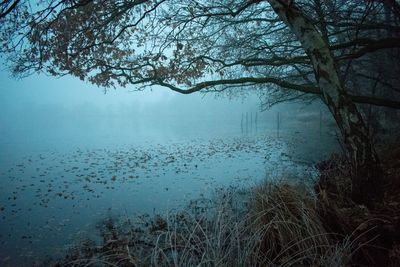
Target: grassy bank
272, 224
281, 223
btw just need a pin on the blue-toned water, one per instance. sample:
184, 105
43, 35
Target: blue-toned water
59, 178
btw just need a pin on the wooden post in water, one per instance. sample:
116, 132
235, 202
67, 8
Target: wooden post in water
241, 123
255, 121
247, 122
251, 122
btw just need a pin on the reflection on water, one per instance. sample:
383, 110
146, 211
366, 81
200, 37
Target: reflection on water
58, 182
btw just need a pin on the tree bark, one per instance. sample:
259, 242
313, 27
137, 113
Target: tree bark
367, 174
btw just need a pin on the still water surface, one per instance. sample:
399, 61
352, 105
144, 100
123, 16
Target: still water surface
58, 182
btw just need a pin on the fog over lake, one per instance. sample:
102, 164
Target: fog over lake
71, 155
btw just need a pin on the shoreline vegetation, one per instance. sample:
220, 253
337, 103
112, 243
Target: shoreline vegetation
343, 53
284, 222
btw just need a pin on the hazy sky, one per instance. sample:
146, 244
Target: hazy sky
68, 93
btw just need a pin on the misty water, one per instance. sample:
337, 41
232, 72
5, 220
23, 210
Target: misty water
72, 159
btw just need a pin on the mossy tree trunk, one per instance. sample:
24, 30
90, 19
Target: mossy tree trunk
366, 170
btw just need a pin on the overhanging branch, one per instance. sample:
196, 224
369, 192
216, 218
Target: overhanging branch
304, 88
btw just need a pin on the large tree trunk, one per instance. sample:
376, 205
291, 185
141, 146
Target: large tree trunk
366, 170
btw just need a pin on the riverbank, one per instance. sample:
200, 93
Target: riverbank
270, 225
279, 223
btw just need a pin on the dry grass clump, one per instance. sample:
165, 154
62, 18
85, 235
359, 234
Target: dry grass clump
210, 233
291, 231
270, 225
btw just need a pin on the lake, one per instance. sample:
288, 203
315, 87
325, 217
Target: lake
59, 179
